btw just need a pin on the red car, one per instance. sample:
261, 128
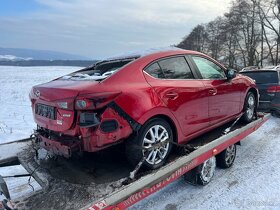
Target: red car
147, 101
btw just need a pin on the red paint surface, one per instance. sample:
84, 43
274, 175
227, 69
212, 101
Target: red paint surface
193, 112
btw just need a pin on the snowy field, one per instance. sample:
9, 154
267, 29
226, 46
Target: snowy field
16, 121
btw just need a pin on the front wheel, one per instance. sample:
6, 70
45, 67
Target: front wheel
153, 142
249, 107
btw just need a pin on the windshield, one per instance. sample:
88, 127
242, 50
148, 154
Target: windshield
99, 71
263, 77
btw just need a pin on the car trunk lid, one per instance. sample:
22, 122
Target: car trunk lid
53, 103
60, 89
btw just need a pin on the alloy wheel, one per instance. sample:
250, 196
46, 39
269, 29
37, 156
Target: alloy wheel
208, 169
230, 154
156, 144
250, 106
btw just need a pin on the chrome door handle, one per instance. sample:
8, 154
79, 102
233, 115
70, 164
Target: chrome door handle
171, 95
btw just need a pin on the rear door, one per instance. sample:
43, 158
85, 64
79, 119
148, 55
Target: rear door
223, 94
186, 97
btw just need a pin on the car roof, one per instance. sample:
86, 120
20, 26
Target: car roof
272, 67
260, 70
152, 52
141, 53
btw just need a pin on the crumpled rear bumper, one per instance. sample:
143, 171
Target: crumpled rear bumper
59, 148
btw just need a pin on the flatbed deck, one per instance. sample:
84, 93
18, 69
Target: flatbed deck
95, 181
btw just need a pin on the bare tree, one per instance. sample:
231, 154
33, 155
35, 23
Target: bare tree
248, 34
196, 40
270, 15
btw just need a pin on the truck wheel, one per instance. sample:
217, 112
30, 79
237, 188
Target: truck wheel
153, 142
206, 171
249, 107
226, 158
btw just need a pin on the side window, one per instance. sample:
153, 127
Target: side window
176, 68
155, 71
208, 69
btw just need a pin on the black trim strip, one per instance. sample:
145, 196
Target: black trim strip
133, 124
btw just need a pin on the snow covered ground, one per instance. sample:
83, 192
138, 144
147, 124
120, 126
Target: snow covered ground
16, 121
253, 182
18, 186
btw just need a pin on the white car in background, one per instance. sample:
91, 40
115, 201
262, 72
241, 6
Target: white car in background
249, 68
272, 67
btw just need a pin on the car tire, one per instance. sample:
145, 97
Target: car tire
206, 171
249, 107
149, 136
226, 158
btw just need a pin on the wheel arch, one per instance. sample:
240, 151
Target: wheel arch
169, 118
170, 122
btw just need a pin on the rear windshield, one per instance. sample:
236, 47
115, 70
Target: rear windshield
263, 77
99, 71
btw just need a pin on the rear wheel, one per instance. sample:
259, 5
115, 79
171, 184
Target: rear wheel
206, 171
249, 107
202, 174
153, 142
226, 158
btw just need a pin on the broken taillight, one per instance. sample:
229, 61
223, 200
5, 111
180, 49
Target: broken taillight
94, 101
84, 104
273, 89
66, 103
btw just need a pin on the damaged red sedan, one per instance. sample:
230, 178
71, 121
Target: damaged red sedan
147, 101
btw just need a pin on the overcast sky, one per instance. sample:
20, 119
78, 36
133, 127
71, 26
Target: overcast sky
101, 28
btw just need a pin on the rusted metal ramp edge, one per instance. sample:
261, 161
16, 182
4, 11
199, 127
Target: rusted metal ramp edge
139, 189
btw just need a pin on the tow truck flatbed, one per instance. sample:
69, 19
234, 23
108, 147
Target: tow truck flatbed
86, 184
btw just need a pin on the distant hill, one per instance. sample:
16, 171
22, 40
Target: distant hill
12, 58
28, 54
29, 57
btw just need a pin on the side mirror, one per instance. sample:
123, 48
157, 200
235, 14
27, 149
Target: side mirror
231, 73
4, 189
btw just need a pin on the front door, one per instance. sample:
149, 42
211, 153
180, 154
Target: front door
223, 94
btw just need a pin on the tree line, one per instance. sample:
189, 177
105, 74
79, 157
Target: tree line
247, 35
